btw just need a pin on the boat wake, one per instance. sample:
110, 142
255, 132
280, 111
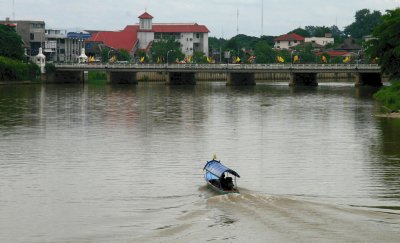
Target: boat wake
260, 218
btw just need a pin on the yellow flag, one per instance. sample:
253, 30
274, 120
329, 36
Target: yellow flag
280, 59
237, 59
296, 58
113, 59
141, 59
324, 59
347, 59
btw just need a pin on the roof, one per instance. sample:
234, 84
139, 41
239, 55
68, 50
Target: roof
335, 53
145, 15
180, 28
290, 37
125, 39
216, 168
349, 45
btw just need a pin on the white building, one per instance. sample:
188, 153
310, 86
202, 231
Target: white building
61, 46
191, 36
323, 41
288, 41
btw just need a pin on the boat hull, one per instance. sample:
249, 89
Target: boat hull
214, 186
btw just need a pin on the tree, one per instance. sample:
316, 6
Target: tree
199, 57
10, 43
364, 23
269, 39
105, 54
232, 45
123, 55
301, 32
305, 52
386, 45
264, 53
320, 31
166, 48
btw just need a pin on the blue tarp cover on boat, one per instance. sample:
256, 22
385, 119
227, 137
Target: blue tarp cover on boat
215, 167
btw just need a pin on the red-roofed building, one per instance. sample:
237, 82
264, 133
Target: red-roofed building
192, 37
288, 41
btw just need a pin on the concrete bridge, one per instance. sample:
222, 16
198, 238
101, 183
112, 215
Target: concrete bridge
237, 74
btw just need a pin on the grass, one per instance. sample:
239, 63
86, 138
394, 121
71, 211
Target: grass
98, 77
390, 96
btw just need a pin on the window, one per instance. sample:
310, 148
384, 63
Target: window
32, 36
37, 26
197, 36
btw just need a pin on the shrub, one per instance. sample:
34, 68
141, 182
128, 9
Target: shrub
11, 70
390, 96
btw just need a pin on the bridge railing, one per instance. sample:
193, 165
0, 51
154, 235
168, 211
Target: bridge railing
219, 66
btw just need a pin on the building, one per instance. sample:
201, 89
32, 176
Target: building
192, 37
288, 41
349, 45
32, 34
323, 41
61, 46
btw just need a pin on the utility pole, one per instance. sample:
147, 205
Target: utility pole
237, 22
13, 10
262, 17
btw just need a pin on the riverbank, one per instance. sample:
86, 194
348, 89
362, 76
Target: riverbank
390, 98
395, 115
20, 82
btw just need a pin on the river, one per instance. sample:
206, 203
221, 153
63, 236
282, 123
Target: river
102, 163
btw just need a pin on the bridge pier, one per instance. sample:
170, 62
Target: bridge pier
66, 77
304, 79
370, 79
240, 79
180, 78
114, 77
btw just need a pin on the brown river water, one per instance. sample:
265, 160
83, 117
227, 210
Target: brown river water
100, 163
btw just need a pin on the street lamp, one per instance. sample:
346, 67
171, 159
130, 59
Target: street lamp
168, 54
358, 58
291, 58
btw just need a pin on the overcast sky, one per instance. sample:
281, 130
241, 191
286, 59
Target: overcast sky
220, 16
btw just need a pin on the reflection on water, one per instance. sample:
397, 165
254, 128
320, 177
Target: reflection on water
124, 163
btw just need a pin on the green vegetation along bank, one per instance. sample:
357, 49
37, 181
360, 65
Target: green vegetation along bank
390, 96
13, 70
13, 66
386, 46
